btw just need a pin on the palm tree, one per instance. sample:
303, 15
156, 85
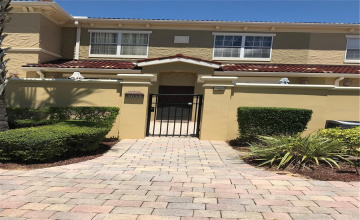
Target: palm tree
4, 18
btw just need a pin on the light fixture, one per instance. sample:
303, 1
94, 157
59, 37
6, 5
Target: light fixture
76, 75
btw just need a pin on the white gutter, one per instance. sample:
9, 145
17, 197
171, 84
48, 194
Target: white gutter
40, 73
86, 70
77, 45
281, 74
337, 81
293, 86
37, 80
218, 78
220, 23
136, 76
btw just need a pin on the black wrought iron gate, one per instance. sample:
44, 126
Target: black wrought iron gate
174, 115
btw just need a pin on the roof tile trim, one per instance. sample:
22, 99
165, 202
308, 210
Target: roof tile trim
93, 64
294, 68
178, 56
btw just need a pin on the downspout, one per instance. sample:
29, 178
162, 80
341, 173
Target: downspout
77, 46
337, 81
40, 73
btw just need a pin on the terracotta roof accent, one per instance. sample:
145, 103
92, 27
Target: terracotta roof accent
293, 68
93, 64
178, 56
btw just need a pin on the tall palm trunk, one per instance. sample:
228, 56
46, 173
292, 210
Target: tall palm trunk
4, 125
4, 18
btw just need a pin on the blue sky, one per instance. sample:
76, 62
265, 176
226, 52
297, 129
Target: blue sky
344, 11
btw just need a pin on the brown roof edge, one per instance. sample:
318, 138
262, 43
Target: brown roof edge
178, 56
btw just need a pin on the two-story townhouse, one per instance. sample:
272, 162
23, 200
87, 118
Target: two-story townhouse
217, 66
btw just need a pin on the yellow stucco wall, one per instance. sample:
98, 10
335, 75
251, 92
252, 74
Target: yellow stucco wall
30, 31
295, 48
50, 36
45, 94
221, 122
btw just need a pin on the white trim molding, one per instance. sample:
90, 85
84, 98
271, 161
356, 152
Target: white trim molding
294, 86
118, 31
218, 78
347, 45
243, 34
179, 59
86, 70
217, 85
136, 76
38, 80
36, 50
288, 74
119, 44
242, 47
352, 36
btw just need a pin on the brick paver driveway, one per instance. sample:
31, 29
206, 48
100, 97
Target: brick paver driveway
170, 178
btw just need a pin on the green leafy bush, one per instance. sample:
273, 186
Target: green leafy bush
24, 117
17, 113
48, 143
26, 123
93, 114
350, 137
269, 121
296, 150
88, 127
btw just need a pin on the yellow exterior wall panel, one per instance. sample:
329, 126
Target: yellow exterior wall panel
46, 94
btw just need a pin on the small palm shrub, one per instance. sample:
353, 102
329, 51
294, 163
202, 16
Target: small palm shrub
297, 151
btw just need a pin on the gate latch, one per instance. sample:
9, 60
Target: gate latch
189, 103
152, 109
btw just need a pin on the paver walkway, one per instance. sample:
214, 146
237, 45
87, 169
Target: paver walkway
170, 178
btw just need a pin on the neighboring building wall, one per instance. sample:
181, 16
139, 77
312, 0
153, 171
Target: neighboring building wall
327, 49
50, 38
68, 41
27, 35
23, 33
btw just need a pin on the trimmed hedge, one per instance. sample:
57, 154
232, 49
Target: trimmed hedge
48, 143
268, 121
26, 123
25, 117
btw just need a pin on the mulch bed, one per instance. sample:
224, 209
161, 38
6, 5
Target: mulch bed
104, 147
321, 172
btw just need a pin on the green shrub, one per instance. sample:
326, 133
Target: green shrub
24, 117
48, 143
269, 121
92, 114
26, 123
350, 137
296, 150
25, 113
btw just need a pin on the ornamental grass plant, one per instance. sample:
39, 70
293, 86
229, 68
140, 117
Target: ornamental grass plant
285, 150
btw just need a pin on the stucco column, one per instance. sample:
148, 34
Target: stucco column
133, 110
214, 124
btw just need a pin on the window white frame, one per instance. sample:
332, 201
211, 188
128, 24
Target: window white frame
119, 32
347, 43
242, 48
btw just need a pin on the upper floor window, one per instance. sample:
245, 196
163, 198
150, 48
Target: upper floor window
353, 49
130, 44
229, 46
